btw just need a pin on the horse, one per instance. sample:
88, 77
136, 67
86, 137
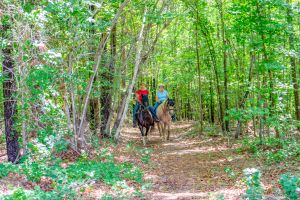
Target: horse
164, 113
144, 119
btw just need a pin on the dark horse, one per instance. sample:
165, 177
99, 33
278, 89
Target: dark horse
144, 118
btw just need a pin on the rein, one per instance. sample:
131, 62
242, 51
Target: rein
166, 107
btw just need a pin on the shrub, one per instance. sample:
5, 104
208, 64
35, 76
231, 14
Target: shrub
254, 188
273, 150
289, 184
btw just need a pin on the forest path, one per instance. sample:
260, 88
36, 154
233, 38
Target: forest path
192, 168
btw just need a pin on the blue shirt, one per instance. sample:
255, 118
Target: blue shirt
162, 95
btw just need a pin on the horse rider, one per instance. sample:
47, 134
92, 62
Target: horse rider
138, 98
161, 95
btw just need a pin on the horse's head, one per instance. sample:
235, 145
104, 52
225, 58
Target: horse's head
145, 100
171, 104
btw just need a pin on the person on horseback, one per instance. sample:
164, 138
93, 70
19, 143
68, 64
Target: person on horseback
138, 98
161, 96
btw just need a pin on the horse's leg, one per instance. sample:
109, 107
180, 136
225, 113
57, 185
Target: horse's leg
159, 130
142, 132
168, 131
147, 131
164, 131
150, 129
144, 137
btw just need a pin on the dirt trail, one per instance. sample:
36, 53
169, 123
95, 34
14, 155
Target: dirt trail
185, 168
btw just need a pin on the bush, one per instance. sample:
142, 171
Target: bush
57, 180
254, 188
7, 168
289, 184
18, 194
273, 150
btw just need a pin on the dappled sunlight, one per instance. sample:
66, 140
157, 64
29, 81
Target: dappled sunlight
226, 193
185, 143
197, 150
182, 125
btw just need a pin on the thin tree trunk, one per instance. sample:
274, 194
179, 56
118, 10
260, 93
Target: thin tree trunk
226, 101
95, 70
293, 63
119, 122
106, 97
9, 89
242, 103
215, 69
199, 75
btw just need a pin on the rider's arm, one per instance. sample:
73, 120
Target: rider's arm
137, 97
156, 98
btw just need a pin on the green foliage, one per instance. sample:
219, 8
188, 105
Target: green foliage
39, 165
2, 138
108, 172
18, 194
145, 154
208, 130
230, 172
34, 171
6, 168
254, 188
245, 114
66, 180
273, 150
220, 197
290, 184
108, 197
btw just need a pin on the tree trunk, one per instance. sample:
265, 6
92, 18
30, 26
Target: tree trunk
106, 97
212, 103
199, 74
226, 101
93, 102
293, 64
123, 109
215, 70
242, 103
95, 70
9, 89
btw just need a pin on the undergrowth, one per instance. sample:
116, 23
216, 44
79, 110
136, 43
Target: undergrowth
207, 130
272, 150
54, 178
290, 185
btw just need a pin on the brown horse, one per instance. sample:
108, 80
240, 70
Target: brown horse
144, 119
164, 112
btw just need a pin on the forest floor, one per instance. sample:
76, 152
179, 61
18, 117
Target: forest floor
202, 167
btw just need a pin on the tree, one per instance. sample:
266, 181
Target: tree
293, 60
9, 89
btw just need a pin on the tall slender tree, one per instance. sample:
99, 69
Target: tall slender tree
293, 61
9, 93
